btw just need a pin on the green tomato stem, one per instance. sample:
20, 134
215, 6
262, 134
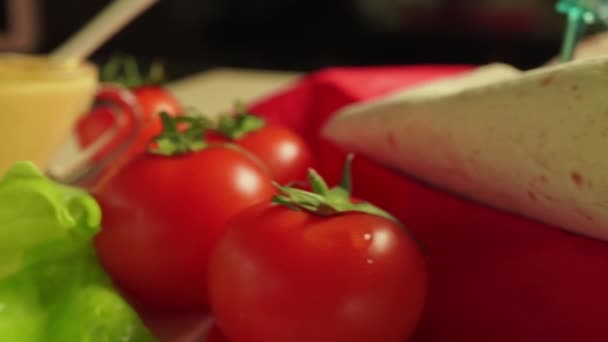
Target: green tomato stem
346, 182
242, 123
124, 70
317, 183
175, 141
325, 201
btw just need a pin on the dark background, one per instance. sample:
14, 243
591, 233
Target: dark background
192, 35
3, 17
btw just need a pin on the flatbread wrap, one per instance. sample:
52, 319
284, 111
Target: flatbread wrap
534, 143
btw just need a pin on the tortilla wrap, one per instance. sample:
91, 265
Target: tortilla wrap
534, 144
481, 76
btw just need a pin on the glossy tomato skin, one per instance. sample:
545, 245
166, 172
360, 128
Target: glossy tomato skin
279, 275
148, 102
162, 215
115, 108
156, 99
286, 154
153, 100
215, 335
99, 120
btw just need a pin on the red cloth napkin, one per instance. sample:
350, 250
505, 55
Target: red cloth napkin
494, 276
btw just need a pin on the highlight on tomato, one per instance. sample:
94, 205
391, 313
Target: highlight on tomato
129, 104
164, 211
317, 266
133, 114
285, 153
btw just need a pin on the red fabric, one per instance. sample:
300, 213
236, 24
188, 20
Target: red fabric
494, 276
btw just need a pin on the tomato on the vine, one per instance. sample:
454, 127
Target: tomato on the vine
284, 152
136, 112
316, 266
163, 214
115, 110
154, 100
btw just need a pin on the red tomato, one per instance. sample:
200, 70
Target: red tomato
143, 103
163, 214
152, 100
285, 153
155, 99
115, 108
285, 275
215, 335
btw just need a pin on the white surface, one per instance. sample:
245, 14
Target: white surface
215, 91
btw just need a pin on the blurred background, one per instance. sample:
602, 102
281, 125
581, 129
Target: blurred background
295, 35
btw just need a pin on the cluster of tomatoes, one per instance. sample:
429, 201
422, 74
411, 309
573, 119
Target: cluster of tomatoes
204, 216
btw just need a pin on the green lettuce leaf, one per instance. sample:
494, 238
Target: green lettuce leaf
52, 287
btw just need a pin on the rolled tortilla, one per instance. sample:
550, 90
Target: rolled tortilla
534, 144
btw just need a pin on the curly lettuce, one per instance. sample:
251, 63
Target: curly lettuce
52, 287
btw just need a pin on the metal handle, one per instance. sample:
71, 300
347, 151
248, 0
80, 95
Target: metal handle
84, 166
